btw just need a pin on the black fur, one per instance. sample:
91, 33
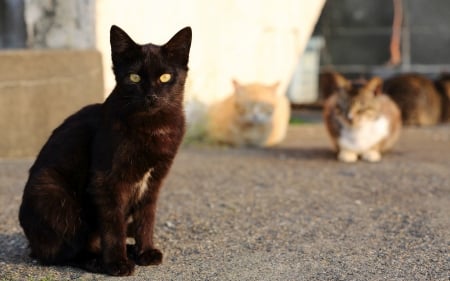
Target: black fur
84, 187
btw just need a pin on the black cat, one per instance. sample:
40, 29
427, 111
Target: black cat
96, 180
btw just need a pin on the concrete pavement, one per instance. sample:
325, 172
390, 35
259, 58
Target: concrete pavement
286, 213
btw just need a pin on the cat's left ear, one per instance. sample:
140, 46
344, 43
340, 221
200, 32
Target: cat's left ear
375, 85
177, 49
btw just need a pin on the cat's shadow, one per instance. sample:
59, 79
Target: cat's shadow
315, 153
15, 254
14, 249
308, 154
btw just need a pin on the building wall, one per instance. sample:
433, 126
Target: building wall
49, 69
251, 41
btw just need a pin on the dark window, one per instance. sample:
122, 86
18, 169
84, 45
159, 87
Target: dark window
12, 24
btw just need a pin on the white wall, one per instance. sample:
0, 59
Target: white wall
251, 40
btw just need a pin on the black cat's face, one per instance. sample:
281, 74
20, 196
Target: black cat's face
149, 77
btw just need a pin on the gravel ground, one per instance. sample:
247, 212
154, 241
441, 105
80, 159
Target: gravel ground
286, 213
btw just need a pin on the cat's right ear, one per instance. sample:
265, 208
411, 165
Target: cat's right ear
120, 41
340, 85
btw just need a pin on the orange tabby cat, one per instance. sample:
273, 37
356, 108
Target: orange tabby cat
361, 120
253, 115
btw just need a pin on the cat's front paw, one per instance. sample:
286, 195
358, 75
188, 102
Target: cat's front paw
371, 156
150, 257
120, 268
347, 156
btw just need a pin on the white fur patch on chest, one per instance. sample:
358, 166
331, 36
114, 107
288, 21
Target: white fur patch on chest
161, 132
142, 185
366, 136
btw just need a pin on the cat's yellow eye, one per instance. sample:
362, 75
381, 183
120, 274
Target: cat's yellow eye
165, 78
135, 78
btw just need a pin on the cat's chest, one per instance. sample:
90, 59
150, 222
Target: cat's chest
142, 185
368, 134
154, 143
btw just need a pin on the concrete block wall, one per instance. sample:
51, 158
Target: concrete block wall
38, 90
429, 23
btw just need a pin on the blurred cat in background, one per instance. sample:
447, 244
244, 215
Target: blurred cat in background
361, 120
254, 115
416, 96
442, 84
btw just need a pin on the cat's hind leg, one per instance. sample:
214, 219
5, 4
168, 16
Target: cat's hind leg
52, 221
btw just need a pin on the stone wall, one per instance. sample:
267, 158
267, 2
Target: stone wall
38, 90
59, 24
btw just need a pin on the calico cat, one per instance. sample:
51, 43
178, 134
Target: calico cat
442, 85
254, 115
361, 120
96, 180
417, 98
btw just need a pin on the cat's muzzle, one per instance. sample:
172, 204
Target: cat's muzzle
151, 99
